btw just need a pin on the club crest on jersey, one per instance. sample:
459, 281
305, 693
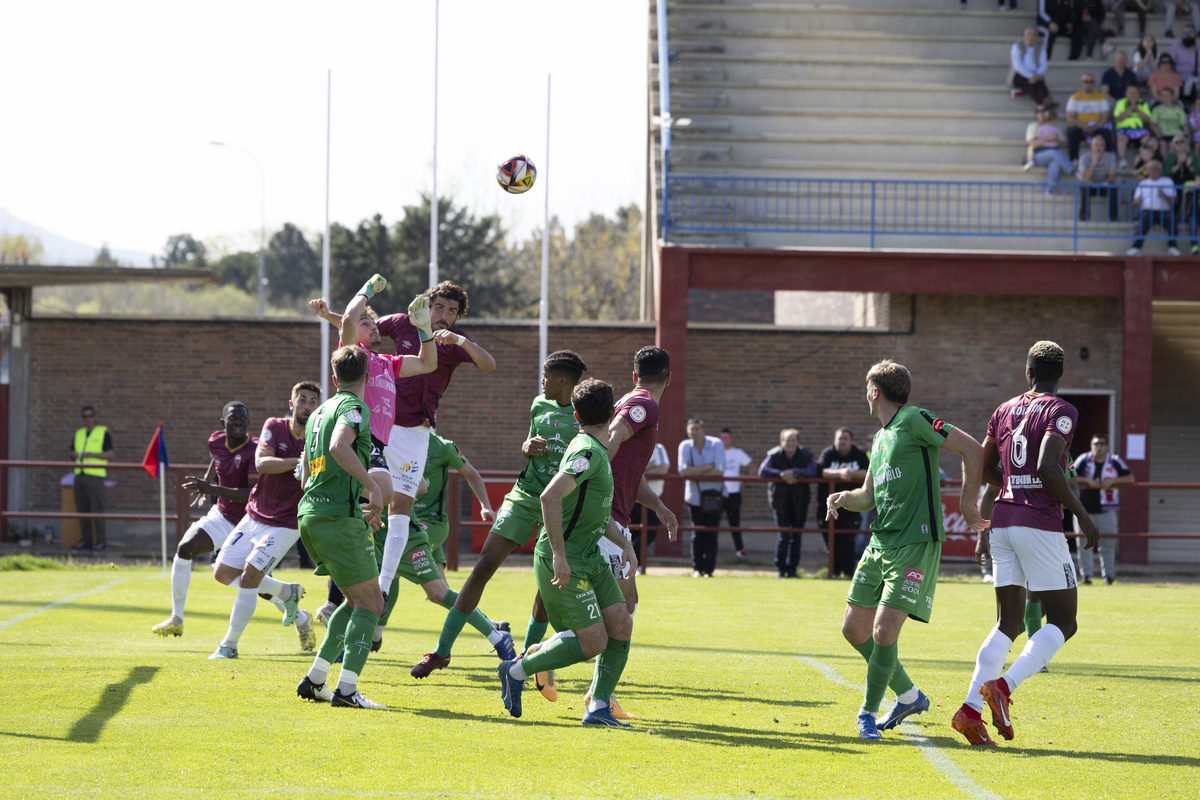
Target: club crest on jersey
353, 416
1063, 424
579, 465
938, 425
637, 414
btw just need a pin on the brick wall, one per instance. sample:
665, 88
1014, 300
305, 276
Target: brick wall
966, 354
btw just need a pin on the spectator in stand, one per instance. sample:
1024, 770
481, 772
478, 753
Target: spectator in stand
736, 460
1168, 120
702, 456
1088, 28
1147, 152
1116, 79
1119, 7
1186, 55
1027, 63
1099, 472
844, 462
1145, 57
1194, 124
1098, 170
1031, 136
1131, 116
1180, 5
1182, 167
1054, 19
1154, 197
1165, 77
1047, 150
1088, 114
659, 465
789, 500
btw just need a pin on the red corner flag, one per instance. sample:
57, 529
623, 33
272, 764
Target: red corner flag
156, 454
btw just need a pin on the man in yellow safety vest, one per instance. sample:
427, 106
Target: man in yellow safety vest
92, 448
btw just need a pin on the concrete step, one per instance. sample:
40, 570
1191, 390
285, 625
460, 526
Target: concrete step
902, 122
868, 70
865, 168
836, 16
769, 94
929, 148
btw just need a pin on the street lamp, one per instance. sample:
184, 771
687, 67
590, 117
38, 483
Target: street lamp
262, 229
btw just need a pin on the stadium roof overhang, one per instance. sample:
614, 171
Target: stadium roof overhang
14, 276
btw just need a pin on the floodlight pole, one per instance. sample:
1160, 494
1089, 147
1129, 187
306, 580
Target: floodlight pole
325, 242
544, 305
433, 195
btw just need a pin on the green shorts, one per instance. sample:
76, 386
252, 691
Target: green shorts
437, 533
519, 517
591, 590
341, 547
898, 577
417, 564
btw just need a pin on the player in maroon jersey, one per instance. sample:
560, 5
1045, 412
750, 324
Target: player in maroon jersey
232, 463
1025, 454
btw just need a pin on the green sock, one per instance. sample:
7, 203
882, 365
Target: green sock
359, 634
879, 672
535, 631
451, 628
335, 633
562, 652
899, 682
609, 666
1033, 618
393, 593
479, 621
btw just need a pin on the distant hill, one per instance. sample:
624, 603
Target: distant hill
58, 251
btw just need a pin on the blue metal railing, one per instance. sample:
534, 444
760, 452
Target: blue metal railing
873, 208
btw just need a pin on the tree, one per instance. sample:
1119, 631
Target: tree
182, 250
104, 258
356, 255
293, 268
20, 250
239, 270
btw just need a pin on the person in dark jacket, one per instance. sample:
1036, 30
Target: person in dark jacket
789, 500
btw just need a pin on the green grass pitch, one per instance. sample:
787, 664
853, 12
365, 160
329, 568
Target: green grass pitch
743, 687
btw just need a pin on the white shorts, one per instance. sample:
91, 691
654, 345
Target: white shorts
215, 525
1038, 560
261, 546
615, 554
406, 451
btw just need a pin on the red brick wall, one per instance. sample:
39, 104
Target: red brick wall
966, 354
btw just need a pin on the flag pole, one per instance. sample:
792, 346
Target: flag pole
162, 511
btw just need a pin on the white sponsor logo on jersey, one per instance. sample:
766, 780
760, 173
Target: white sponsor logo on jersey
637, 414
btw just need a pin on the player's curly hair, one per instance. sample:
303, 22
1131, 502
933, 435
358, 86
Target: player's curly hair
566, 362
593, 401
894, 380
1046, 360
449, 291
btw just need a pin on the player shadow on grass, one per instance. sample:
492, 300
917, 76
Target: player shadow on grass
950, 743
115, 696
732, 736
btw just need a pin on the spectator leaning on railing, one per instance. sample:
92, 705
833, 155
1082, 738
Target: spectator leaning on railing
1131, 117
1154, 198
1088, 114
1098, 171
1028, 65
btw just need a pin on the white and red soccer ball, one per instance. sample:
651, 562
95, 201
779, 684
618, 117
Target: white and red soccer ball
516, 175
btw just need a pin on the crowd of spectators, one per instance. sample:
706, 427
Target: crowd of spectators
1139, 124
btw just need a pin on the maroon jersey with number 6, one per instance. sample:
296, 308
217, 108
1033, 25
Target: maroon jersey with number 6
1018, 428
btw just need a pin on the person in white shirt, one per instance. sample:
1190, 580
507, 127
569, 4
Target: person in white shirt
1155, 198
1028, 64
736, 460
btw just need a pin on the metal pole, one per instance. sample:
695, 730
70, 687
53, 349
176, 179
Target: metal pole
325, 243
162, 511
544, 305
433, 195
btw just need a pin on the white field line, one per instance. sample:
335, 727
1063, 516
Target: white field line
8, 623
933, 754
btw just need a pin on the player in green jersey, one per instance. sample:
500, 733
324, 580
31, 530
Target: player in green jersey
552, 426
897, 574
430, 506
337, 531
576, 582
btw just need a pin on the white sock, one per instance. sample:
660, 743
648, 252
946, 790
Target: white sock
909, 697
269, 585
988, 664
239, 617
301, 617
495, 636
378, 632
1038, 651
393, 548
319, 671
275, 601
181, 578
596, 705
347, 682
517, 670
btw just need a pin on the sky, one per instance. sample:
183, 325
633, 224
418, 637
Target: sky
112, 108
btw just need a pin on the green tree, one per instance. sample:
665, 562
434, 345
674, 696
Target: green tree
239, 270
104, 258
357, 254
182, 250
293, 269
20, 250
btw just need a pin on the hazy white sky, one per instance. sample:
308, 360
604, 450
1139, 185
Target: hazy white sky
111, 108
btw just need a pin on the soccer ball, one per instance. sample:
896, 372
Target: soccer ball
516, 175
